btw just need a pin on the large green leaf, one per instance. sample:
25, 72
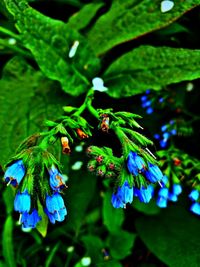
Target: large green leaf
80, 193
17, 84
93, 246
112, 218
149, 209
130, 19
172, 236
50, 41
151, 67
121, 244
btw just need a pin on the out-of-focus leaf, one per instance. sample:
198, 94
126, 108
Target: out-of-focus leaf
93, 246
127, 20
172, 236
151, 67
8, 197
50, 41
112, 218
82, 190
110, 263
51, 255
17, 84
120, 244
81, 19
149, 209
7, 243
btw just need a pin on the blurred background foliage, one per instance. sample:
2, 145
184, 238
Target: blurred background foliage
134, 46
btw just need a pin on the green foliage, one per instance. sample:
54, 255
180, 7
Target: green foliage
150, 67
128, 20
50, 42
172, 236
112, 218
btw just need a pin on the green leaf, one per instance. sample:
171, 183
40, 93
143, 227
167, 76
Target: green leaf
7, 243
112, 218
110, 263
128, 20
172, 236
50, 41
151, 67
121, 244
8, 197
81, 19
43, 224
51, 255
149, 209
17, 84
93, 246
82, 190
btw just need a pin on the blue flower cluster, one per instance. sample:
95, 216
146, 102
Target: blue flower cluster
166, 194
167, 130
136, 166
147, 103
26, 204
194, 196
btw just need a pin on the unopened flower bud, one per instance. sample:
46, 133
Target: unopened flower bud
81, 134
111, 166
105, 123
101, 170
177, 162
65, 145
99, 159
92, 165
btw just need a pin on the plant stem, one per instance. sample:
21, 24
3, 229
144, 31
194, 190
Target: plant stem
10, 33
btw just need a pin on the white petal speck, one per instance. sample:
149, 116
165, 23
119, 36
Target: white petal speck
166, 6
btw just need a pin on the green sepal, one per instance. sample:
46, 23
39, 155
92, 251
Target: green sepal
69, 109
126, 115
49, 123
110, 174
42, 225
140, 181
135, 136
28, 142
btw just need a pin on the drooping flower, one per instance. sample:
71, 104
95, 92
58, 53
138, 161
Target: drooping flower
153, 173
123, 196
168, 193
30, 220
144, 194
56, 179
15, 173
22, 202
195, 208
55, 208
135, 163
194, 195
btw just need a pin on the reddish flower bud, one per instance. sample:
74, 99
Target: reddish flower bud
177, 162
65, 145
99, 159
81, 134
111, 166
105, 123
